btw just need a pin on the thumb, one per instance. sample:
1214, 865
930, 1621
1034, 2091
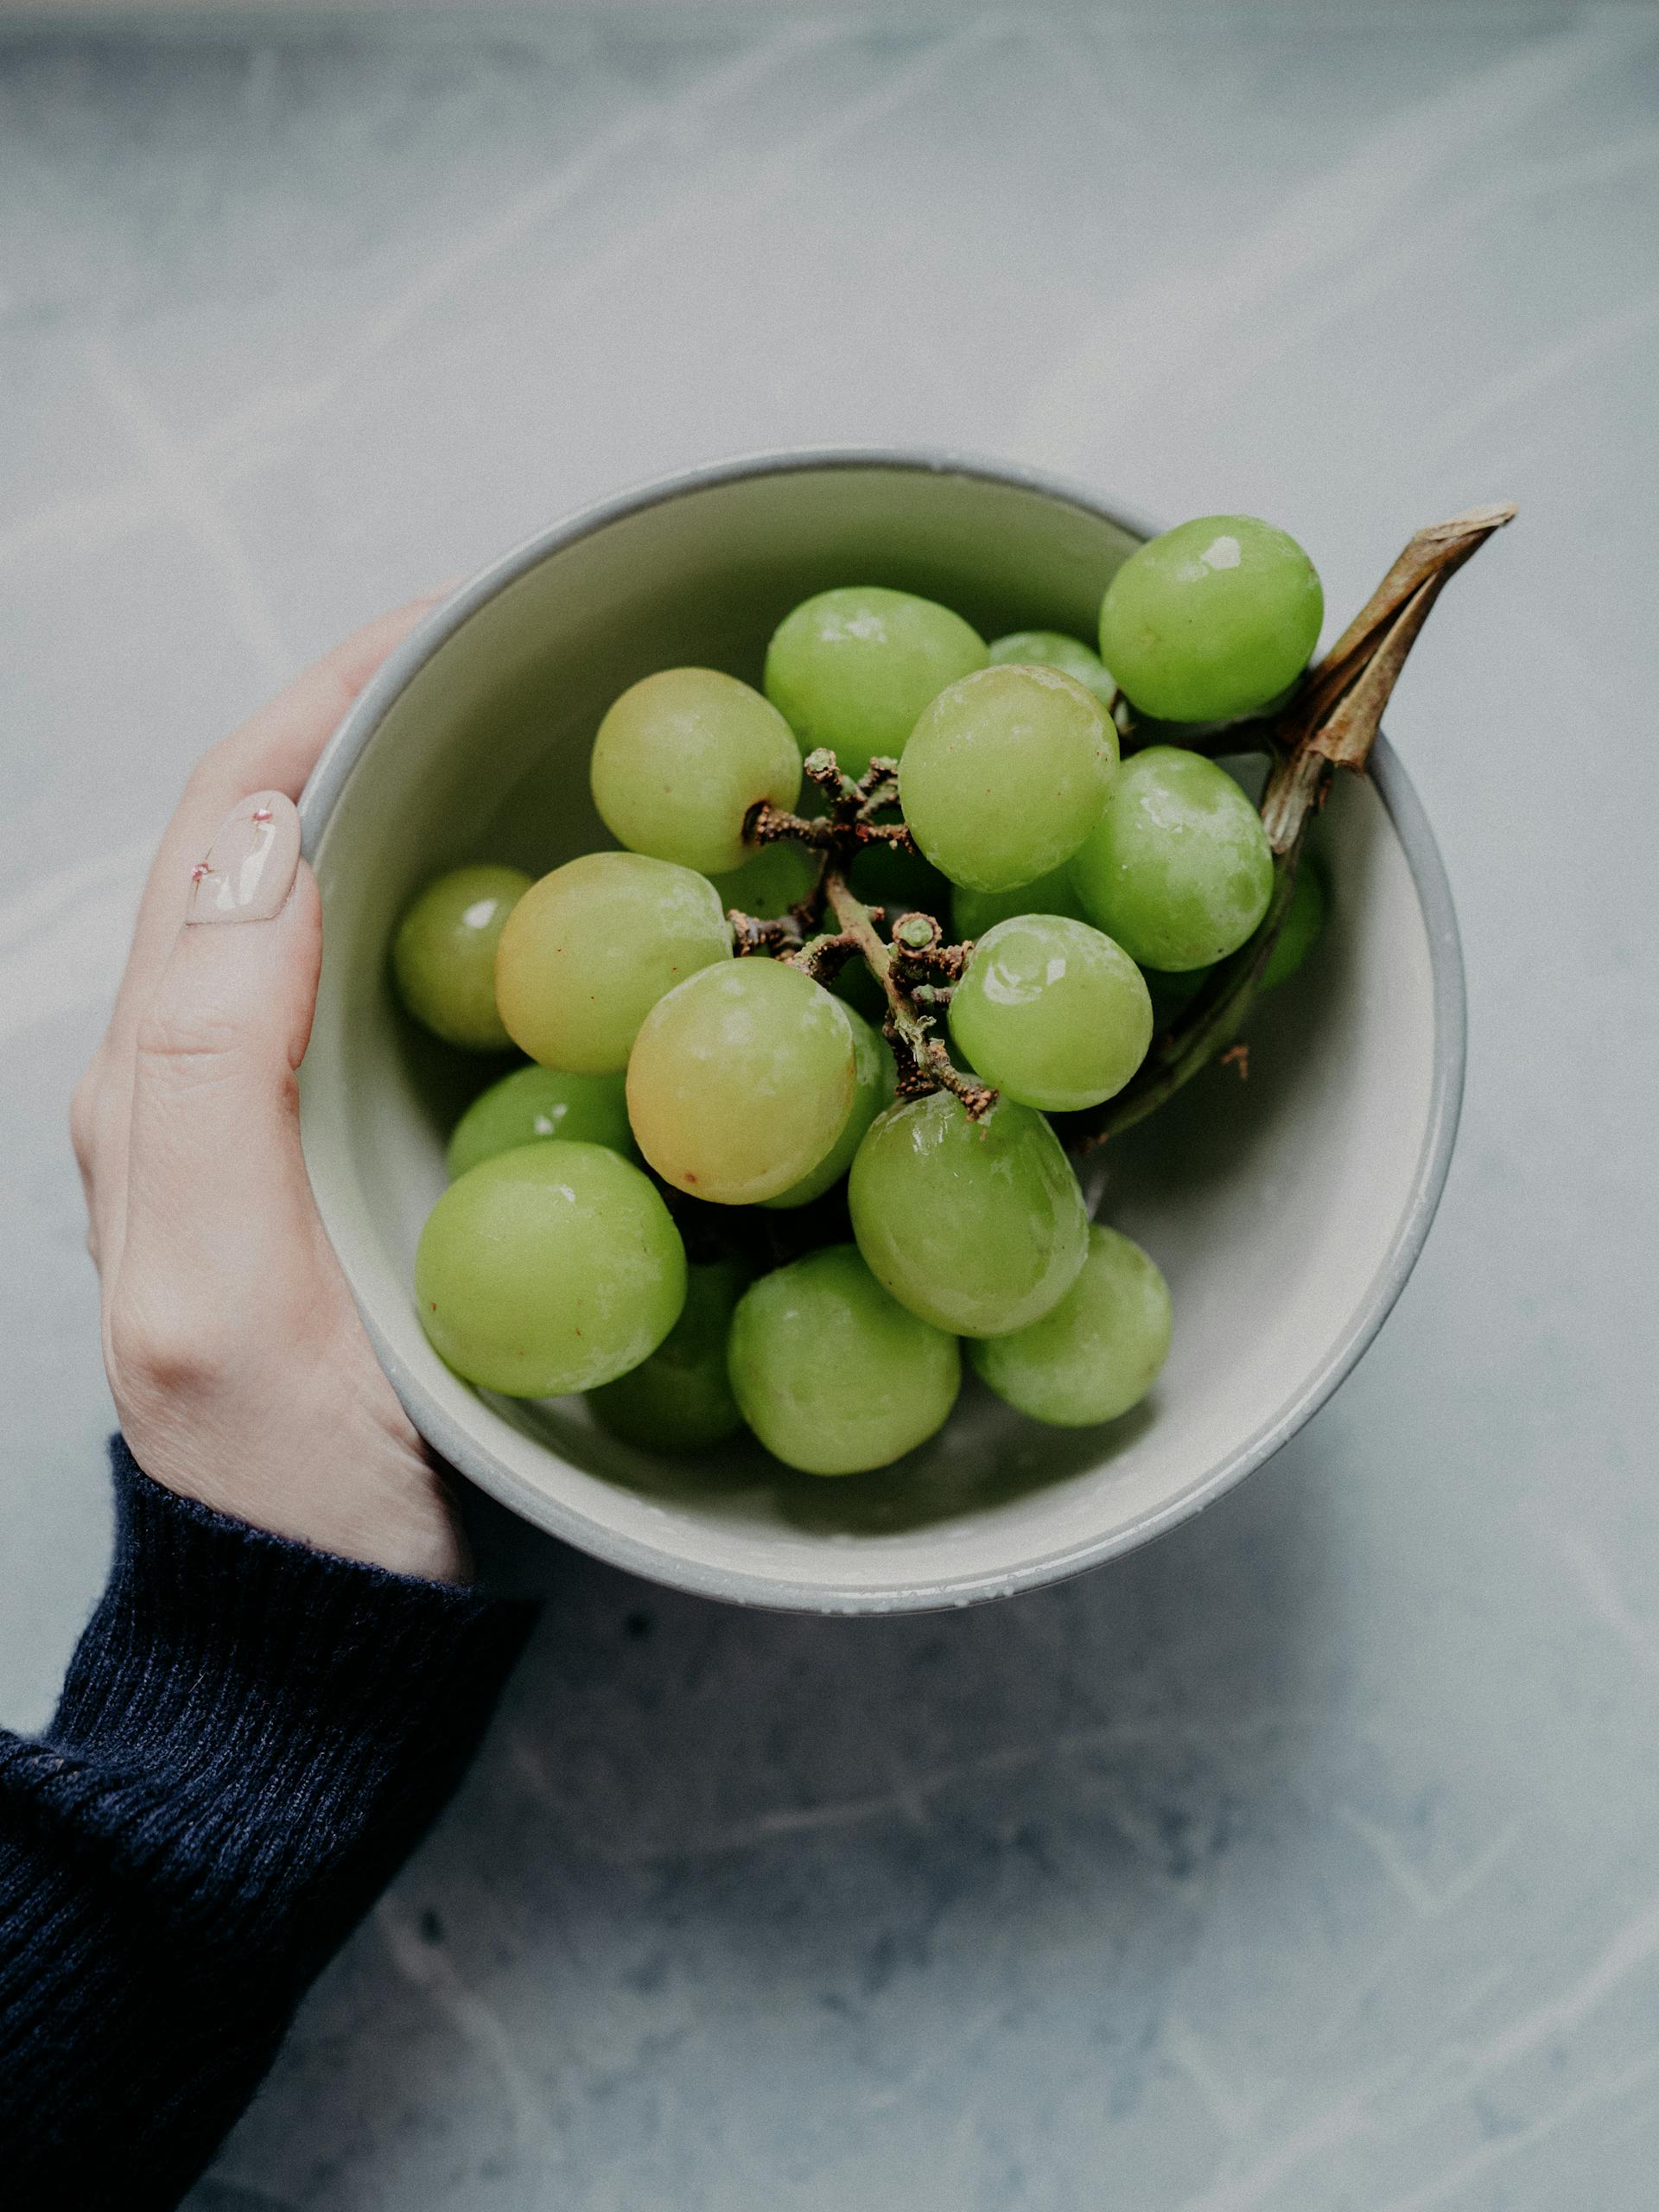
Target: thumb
217, 1195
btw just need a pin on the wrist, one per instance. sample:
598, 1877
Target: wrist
340, 1479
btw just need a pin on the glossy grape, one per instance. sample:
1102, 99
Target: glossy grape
1004, 775
852, 668
741, 1080
590, 949
1097, 1352
874, 1079
534, 1102
773, 879
1177, 869
1211, 621
834, 1375
1299, 932
1053, 649
443, 954
978, 1227
973, 913
679, 1398
1052, 1012
680, 760
548, 1269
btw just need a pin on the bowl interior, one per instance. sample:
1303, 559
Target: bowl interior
1275, 1206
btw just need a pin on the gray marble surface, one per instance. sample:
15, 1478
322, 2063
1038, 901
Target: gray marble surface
1309, 1860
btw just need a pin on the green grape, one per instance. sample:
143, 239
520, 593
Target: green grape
1177, 869
1300, 930
875, 1078
1004, 775
1094, 1354
590, 949
740, 1081
1052, 1012
1297, 933
1053, 649
1211, 621
903, 882
977, 1226
773, 879
680, 760
853, 668
443, 954
973, 913
834, 1375
548, 1269
679, 1398
535, 1102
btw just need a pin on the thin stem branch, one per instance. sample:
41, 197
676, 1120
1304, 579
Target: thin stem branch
924, 1062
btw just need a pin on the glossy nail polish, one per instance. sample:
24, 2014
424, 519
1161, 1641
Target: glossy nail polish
251, 864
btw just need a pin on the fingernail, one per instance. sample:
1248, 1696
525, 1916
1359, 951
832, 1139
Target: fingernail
251, 864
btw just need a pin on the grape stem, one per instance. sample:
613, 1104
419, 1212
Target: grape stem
924, 1062
916, 970
1330, 722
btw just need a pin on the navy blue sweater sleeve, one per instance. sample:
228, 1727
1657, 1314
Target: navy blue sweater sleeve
252, 1738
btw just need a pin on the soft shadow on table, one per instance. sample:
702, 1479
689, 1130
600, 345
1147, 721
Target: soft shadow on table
658, 1728
862, 1840
688, 1812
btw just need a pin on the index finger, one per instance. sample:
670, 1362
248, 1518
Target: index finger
275, 749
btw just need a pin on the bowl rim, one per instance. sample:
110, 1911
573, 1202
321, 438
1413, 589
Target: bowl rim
662, 1565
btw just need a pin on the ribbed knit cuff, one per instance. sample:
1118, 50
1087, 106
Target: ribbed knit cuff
299, 1704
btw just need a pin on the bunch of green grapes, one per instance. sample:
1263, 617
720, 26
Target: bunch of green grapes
722, 1033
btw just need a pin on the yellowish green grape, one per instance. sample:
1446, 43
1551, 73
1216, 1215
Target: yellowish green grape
1052, 1012
973, 913
681, 759
679, 1398
443, 954
548, 1269
833, 1376
1177, 869
741, 1080
534, 1102
1004, 775
1211, 621
1097, 1352
875, 1077
1053, 649
853, 668
978, 1227
590, 949
773, 879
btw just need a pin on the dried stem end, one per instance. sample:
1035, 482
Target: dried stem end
1331, 722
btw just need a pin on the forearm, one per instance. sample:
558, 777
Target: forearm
253, 1737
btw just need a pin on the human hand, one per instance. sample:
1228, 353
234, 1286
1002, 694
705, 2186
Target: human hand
240, 1371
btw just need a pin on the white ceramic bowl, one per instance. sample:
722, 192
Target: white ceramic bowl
1286, 1211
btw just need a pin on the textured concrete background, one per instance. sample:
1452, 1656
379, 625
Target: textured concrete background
1307, 1861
